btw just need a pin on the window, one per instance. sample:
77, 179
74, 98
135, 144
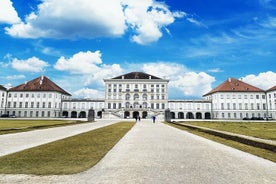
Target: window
43, 104
222, 106
252, 106
263, 96
32, 104
21, 95
257, 96
264, 106
27, 95
49, 105
37, 105
228, 106
26, 104
234, 106
245, 96
14, 104
20, 104
246, 106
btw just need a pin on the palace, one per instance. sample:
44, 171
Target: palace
137, 94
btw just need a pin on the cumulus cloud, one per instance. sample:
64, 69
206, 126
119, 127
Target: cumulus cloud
193, 84
147, 18
95, 18
89, 93
80, 63
72, 19
89, 65
15, 77
7, 13
264, 80
32, 64
187, 82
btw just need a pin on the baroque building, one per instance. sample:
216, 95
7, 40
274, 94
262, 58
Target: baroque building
135, 94
138, 94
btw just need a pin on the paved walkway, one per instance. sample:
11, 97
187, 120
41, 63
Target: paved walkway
10, 143
157, 153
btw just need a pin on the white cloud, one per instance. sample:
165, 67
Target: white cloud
15, 77
215, 70
89, 65
96, 18
72, 19
80, 63
193, 84
164, 69
89, 93
147, 18
7, 13
264, 80
189, 83
32, 64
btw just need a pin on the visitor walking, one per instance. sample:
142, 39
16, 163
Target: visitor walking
153, 119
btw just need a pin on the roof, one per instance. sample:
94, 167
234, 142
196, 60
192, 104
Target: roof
136, 75
234, 85
272, 89
2, 88
39, 84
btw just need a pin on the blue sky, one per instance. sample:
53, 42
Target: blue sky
196, 44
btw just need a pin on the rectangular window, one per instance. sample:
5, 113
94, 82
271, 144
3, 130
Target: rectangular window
26, 104
49, 105
43, 104
37, 105
20, 104
257, 96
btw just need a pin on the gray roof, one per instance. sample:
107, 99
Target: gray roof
3, 88
136, 75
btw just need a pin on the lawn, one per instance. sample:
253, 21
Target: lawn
264, 130
66, 156
243, 147
16, 125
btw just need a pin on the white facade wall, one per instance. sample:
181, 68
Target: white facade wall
238, 105
136, 94
80, 107
190, 109
271, 103
3, 95
34, 103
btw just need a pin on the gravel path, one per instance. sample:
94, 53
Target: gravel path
157, 153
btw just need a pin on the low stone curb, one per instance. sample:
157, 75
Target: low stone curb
234, 137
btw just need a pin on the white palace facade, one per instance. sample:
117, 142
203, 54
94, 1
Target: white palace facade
137, 94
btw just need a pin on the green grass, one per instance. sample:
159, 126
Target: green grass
14, 125
67, 156
243, 147
264, 130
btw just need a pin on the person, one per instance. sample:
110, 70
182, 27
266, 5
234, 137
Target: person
135, 118
139, 118
153, 119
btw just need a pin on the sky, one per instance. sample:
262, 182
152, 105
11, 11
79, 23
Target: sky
196, 44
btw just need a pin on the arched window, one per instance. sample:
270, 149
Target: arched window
136, 96
127, 96
145, 96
